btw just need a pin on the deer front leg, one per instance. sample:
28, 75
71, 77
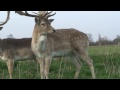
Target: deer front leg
10, 65
42, 67
48, 60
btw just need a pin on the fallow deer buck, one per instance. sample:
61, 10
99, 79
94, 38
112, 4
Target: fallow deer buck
15, 49
48, 43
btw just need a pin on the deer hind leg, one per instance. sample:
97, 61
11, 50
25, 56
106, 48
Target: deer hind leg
48, 60
78, 65
10, 65
85, 57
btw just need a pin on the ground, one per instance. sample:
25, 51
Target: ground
105, 59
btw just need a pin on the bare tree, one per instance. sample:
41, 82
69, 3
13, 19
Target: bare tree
10, 36
117, 40
90, 37
99, 39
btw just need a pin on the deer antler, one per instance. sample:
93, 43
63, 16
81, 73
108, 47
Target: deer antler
26, 14
1, 28
8, 14
45, 14
51, 14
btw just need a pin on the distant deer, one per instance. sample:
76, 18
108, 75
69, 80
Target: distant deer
15, 50
48, 43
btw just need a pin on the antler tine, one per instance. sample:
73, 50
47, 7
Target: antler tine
35, 13
42, 13
26, 14
47, 14
1, 28
51, 15
50, 12
8, 14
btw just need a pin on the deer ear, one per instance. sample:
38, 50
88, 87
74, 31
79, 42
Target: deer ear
37, 21
51, 20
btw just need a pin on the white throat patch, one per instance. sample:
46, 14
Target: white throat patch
42, 38
40, 47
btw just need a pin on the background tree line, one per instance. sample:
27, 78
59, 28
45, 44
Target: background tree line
103, 40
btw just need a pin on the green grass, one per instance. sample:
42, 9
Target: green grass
106, 60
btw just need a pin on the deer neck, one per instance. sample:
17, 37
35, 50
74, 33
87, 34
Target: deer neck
37, 34
39, 38
40, 46
38, 42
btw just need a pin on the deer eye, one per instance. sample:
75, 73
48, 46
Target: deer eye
42, 24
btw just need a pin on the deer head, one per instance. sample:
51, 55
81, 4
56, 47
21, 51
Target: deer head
41, 20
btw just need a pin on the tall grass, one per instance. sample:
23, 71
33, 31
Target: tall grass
106, 60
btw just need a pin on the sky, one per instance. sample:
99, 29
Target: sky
106, 23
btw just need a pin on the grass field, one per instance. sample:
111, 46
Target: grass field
106, 60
